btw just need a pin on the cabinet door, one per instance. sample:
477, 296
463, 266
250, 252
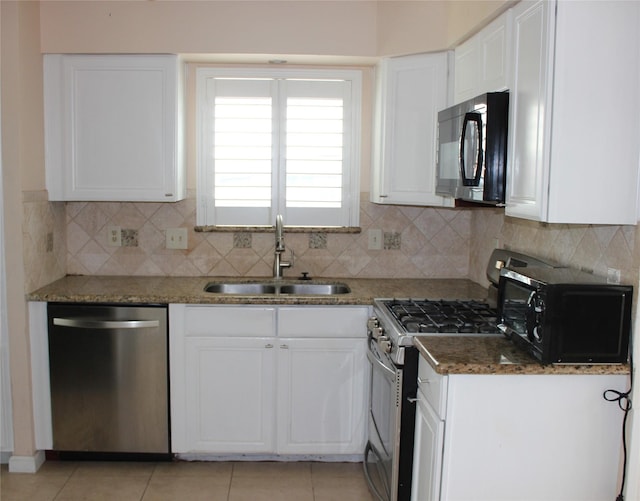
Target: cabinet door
411, 91
112, 128
483, 62
321, 396
230, 395
495, 55
467, 69
427, 454
529, 129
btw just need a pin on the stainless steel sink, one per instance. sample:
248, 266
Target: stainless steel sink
241, 289
315, 289
271, 288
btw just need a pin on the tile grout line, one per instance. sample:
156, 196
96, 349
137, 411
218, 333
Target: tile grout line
233, 468
146, 487
75, 469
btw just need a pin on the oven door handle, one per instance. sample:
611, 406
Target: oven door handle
389, 372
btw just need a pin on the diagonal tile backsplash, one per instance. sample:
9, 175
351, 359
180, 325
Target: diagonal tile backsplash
593, 248
419, 242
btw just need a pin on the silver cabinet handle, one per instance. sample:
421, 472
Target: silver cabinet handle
269, 345
284, 346
425, 381
87, 323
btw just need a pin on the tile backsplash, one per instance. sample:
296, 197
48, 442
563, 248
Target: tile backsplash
593, 248
419, 242
44, 240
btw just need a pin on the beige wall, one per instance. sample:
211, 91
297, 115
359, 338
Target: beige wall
411, 27
465, 18
22, 146
215, 27
364, 28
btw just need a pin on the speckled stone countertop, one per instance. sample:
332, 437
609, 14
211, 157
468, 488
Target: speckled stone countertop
122, 289
494, 355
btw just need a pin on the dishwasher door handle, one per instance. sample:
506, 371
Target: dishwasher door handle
87, 323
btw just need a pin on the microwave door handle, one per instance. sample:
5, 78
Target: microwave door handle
477, 119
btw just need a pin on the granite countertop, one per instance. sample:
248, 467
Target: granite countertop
494, 355
127, 289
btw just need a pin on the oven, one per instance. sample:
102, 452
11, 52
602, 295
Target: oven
389, 451
388, 461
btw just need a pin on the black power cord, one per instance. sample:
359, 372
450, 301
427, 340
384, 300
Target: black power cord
624, 402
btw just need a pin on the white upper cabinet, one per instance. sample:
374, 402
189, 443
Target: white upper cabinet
483, 63
113, 127
410, 92
574, 112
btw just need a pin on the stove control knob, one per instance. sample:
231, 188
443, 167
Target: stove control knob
385, 344
374, 329
377, 332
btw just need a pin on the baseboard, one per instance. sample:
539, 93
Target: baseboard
26, 464
324, 458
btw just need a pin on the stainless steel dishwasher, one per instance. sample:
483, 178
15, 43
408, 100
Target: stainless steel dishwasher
108, 368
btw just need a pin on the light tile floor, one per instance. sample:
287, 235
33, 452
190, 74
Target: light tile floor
189, 481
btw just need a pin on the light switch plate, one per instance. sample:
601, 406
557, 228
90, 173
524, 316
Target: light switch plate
176, 238
375, 239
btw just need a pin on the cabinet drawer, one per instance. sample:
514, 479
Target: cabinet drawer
254, 321
433, 386
323, 321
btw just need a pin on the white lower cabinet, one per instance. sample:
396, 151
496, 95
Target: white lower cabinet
427, 460
240, 387
321, 396
230, 384
526, 437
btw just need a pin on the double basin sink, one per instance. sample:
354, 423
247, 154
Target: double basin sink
272, 287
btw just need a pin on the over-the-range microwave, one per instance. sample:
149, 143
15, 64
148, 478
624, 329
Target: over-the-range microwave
472, 149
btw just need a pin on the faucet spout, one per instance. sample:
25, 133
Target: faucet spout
278, 263
279, 235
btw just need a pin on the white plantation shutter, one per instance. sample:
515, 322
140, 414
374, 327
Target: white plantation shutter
278, 143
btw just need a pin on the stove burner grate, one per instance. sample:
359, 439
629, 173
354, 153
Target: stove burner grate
444, 316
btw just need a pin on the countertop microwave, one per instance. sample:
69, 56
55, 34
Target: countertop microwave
472, 149
565, 316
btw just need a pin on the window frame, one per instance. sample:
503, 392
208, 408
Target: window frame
207, 215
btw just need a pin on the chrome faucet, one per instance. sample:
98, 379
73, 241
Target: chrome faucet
278, 263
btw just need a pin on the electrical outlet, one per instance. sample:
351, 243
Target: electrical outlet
176, 238
375, 239
613, 276
114, 236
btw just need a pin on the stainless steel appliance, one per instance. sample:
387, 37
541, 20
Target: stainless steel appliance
109, 378
472, 149
565, 315
394, 370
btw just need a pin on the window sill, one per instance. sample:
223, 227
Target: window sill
270, 229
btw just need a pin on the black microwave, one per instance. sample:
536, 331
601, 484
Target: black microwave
472, 149
565, 316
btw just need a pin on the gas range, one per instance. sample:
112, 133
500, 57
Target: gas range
397, 321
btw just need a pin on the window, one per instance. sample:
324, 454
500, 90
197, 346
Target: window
278, 142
